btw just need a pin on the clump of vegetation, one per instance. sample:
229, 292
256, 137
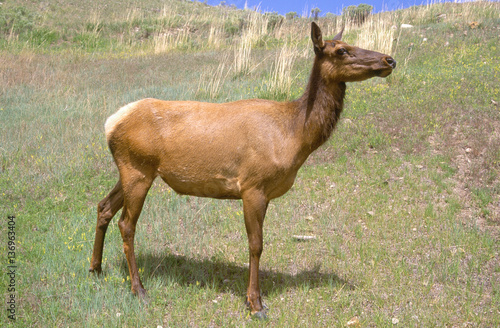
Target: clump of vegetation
16, 20
291, 15
357, 14
279, 84
315, 13
274, 20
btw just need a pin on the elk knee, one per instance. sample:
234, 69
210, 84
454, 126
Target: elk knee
256, 251
103, 219
255, 246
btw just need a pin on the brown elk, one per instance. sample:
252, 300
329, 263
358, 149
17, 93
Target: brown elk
247, 149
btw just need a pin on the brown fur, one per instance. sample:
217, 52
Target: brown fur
247, 149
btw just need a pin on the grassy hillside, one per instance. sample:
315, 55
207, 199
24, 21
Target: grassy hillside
404, 199
121, 26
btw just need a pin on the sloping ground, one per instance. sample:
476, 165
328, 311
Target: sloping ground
403, 200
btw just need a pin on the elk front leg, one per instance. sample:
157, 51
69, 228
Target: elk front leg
254, 208
135, 191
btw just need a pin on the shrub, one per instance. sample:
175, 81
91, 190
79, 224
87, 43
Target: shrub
357, 14
274, 20
315, 13
291, 15
41, 36
232, 27
18, 20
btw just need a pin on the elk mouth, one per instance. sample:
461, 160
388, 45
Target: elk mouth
383, 72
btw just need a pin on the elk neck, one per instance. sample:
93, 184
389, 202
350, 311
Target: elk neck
319, 108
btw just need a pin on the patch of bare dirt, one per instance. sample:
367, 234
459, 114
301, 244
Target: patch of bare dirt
476, 160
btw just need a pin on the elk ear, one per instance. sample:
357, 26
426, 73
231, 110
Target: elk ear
338, 37
317, 39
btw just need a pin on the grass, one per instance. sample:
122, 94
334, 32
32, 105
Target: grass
279, 83
403, 199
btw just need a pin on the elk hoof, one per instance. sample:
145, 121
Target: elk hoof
260, 315
141, 294
97, 270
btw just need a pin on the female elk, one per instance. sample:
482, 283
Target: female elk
247, 149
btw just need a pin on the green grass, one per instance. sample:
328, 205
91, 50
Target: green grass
403, 199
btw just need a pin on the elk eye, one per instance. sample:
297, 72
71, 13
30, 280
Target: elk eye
341, 52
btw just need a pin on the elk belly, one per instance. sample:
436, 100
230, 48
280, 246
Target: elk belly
215, 187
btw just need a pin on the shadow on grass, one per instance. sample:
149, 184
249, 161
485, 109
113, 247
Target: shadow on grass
225, 276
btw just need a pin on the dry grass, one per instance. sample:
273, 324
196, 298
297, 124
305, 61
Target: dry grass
212, 80
170, 40
377, 35
281, 78
256, 29
242, 56
216, 37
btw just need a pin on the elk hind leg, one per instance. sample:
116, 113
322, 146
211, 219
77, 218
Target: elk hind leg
106, 209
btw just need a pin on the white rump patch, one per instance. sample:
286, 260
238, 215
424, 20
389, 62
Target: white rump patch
117, 117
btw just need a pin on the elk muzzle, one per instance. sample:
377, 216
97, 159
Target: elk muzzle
389, 64
390, 61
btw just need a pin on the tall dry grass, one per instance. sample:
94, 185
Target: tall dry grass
169, 40
255, 30
212, 80
376, 34
216, 37
242, 56
281, 79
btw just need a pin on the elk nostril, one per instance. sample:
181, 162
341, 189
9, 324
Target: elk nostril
390, 61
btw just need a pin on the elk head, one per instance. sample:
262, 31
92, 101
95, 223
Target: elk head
340, 62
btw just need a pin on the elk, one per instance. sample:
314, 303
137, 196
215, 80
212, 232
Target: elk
246, 149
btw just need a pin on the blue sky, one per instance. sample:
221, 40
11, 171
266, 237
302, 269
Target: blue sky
333, 6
